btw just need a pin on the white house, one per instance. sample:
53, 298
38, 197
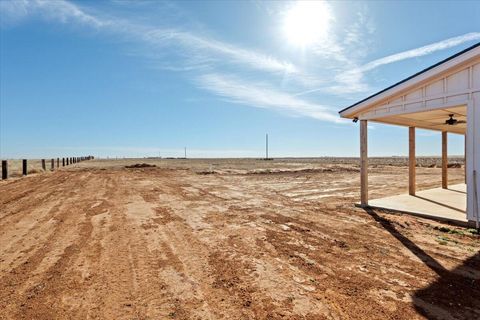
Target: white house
444, 97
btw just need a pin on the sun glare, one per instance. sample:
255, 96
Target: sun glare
307, 22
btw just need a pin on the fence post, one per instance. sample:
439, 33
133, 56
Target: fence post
52, 166
58, 163
24, 167
44, 167
63, 162
4, 169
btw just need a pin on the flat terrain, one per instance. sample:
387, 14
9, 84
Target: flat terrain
228, 239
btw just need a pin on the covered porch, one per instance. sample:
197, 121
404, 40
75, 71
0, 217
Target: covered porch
446, 203
446, 98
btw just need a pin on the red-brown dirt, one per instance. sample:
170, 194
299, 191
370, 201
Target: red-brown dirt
274, 241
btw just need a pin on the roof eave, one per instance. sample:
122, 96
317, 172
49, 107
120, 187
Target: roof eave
467, 54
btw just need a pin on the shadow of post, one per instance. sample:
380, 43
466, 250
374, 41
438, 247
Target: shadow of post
455, 294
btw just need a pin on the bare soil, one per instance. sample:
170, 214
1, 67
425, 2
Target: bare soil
228, 239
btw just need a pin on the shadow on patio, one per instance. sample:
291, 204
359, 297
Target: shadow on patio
439, 204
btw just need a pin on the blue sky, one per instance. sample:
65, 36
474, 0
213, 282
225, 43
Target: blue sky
146, 78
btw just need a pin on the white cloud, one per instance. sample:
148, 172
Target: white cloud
64, 11
260, 95
335, 71
59, 10
236, 54
352, 80
414, 53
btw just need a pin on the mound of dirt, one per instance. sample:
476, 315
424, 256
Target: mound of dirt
140, 165
302, 171
205, 172
454, 165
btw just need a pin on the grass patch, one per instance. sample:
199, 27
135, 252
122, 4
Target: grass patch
473, 231
445, 240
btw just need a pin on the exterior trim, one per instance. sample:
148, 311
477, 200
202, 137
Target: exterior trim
411, 77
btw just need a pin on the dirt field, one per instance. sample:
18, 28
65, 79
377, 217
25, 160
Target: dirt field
228, 239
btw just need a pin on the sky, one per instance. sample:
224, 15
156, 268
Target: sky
124, 78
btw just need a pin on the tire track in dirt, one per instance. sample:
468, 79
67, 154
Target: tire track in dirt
31, 224
30, 289
188, 251
233, 280
160, 244
51, 187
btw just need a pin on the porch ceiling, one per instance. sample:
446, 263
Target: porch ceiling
431, 120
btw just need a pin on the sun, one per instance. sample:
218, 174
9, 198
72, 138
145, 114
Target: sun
307, 22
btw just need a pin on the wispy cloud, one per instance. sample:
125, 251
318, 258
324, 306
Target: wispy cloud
418, 52
236, 54
336, 70
352, 80
196, 45
62, 11
260, 95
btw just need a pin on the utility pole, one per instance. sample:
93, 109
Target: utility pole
266, 146
185, 152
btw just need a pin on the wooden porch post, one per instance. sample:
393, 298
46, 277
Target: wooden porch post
412, 163
363, 163
444, 160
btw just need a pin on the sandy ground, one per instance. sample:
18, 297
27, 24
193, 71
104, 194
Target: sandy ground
217, 239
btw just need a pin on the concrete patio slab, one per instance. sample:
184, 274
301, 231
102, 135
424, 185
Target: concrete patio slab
438, 204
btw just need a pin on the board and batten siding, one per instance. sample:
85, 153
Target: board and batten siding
451, 88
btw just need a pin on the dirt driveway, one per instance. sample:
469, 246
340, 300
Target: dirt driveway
106, 242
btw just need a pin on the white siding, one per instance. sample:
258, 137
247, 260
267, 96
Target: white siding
457, 81
457, 86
